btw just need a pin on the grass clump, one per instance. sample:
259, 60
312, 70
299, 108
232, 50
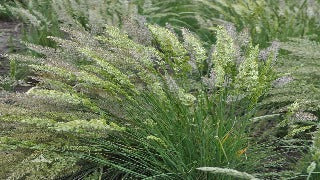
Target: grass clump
145, 111
137, 100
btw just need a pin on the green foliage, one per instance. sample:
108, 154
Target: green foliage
4, 13
189, 14
141, 111
8, 81
309, 165
295, 94
38, 18
44, 18
298, 79
305, 75
25, 153
176, 54
314, 167
154, 102
268, 20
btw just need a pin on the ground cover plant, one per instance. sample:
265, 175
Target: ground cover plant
208, 93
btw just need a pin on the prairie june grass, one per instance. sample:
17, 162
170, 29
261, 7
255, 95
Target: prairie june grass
146, 111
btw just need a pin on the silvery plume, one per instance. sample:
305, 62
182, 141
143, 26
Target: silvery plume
272, 50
